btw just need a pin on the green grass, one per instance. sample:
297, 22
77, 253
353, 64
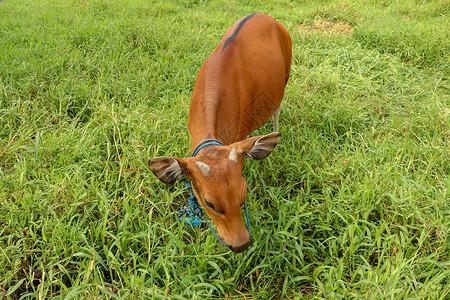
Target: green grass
354, 203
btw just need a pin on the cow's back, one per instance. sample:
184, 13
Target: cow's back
242, 83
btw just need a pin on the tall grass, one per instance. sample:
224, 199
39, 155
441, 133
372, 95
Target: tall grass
353, 203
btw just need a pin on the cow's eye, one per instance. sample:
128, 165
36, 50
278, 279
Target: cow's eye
209, 204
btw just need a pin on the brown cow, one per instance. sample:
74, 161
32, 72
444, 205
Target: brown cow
239, 87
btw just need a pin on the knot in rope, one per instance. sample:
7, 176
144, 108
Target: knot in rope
192, 213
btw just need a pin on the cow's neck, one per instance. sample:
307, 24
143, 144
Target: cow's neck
204, 118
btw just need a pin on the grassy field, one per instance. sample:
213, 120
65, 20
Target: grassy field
354, 203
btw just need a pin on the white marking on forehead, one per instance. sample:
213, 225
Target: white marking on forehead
233, 155
203, 167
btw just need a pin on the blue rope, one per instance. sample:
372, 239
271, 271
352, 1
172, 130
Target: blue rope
204, 144
329, 23
340, 10
191, 212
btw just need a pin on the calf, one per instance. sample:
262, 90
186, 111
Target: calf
238, 89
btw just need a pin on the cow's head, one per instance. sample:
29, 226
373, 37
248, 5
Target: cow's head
216, 179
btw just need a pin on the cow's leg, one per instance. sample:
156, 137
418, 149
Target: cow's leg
276, 118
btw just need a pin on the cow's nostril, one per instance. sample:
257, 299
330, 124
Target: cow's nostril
240, 248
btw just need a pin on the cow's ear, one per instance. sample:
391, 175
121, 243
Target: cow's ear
168, 169
258, 147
